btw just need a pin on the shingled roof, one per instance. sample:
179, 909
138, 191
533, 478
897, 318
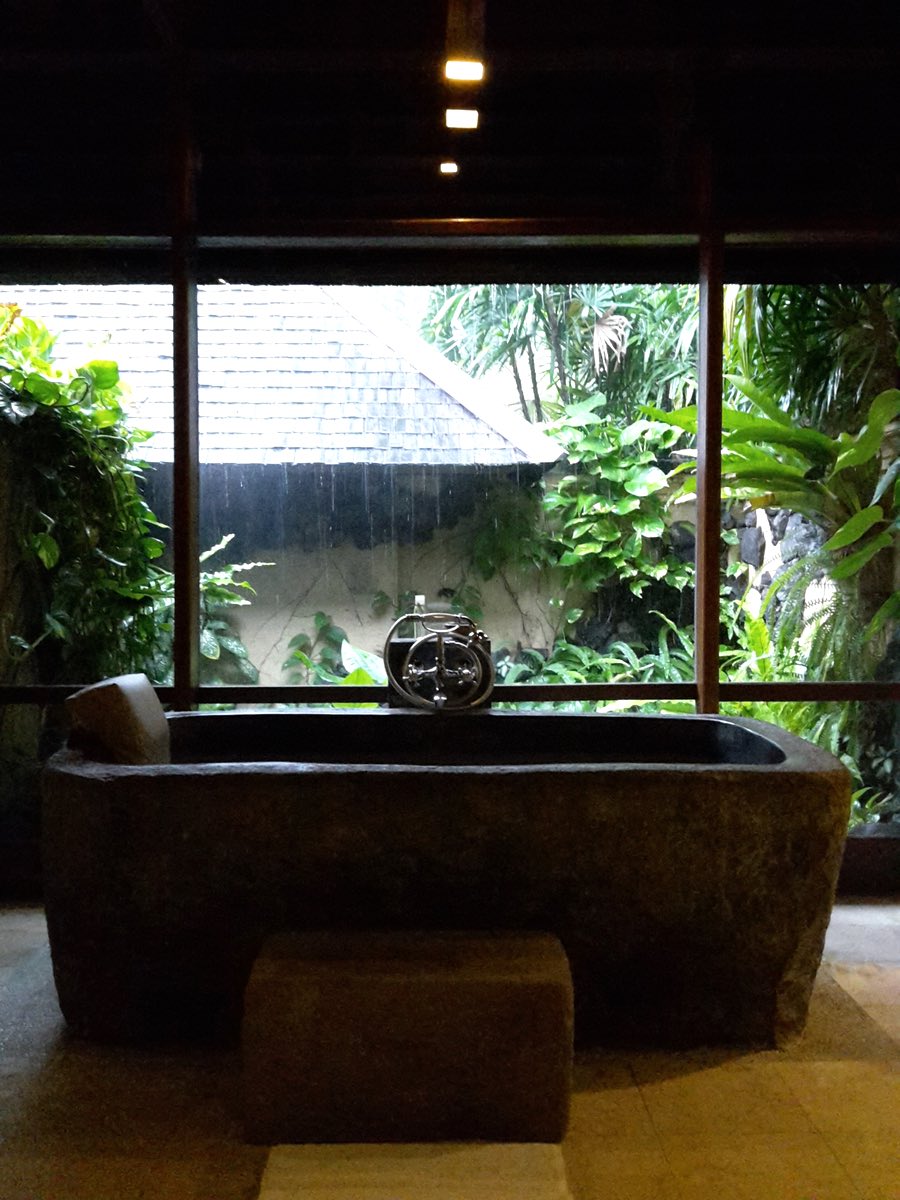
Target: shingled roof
292, 374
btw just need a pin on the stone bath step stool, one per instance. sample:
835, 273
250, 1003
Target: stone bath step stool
407, 1037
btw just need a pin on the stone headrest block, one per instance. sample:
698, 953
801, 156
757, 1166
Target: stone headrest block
119, 720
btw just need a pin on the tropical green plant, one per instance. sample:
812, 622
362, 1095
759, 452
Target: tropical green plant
561, 342
605, 519
317, 657
325, 656
670, 658
83, 583
848, 485
822, 349
587, 356
223, 655
84, 592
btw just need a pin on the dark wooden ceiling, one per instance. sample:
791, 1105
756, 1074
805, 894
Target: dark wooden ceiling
634, 118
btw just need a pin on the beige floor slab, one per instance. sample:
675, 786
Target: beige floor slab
416, 1171
717, 1100
872, 1161
82, 1122
110, 1177
887, 1017
847, 1097
601, 1169
758, 1167
869, 983
605, 1102
839, 1028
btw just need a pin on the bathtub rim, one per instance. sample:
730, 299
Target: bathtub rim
798, 754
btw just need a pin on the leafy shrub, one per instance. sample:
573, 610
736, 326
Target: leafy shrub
84, 594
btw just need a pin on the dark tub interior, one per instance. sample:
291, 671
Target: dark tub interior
486, 738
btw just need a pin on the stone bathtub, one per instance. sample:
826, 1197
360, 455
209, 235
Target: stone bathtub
687, 864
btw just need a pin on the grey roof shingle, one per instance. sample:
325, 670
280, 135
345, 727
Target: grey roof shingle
290, 374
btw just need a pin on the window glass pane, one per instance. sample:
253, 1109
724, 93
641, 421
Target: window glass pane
810, 496
486, 447
85, 417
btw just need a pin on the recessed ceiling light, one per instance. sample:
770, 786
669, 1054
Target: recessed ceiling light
468, 70
449, 168
462, 118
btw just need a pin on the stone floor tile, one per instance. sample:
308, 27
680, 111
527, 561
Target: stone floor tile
83, 1122
758, 1167
732, 1099
603, 1170
868, 912
847, 1097
108, 1177
887, 1017
606, 1102
838, 1028
872, 1161
16, 945
862, 943
869, 983
617, 1117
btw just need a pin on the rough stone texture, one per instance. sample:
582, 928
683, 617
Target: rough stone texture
372, 1037
691, 898
120, 720
801, 538
752, 546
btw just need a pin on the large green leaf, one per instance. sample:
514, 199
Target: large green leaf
766, 478
765, 402
648, 525
45, 391
209, 644
46, 548
890, 478
855, 562
889, 611
764, 459
104, 372
354, 659
103, 418
232, 644
152, 547
852, 530
883, 409
814, 445
626, 505
610, 470
645, 481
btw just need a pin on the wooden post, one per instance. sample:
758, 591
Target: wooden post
185, 468
709, 474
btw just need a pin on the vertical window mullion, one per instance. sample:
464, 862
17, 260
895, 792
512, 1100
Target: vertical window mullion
709, 474
185, 538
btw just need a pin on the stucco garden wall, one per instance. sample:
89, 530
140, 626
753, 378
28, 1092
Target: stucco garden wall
342, 581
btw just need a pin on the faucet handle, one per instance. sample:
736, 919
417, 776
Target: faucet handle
449, 666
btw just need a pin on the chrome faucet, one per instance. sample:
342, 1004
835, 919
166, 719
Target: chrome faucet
447, 666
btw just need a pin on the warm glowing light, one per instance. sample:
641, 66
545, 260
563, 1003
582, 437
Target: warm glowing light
468, 70
462, 118
449, 168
